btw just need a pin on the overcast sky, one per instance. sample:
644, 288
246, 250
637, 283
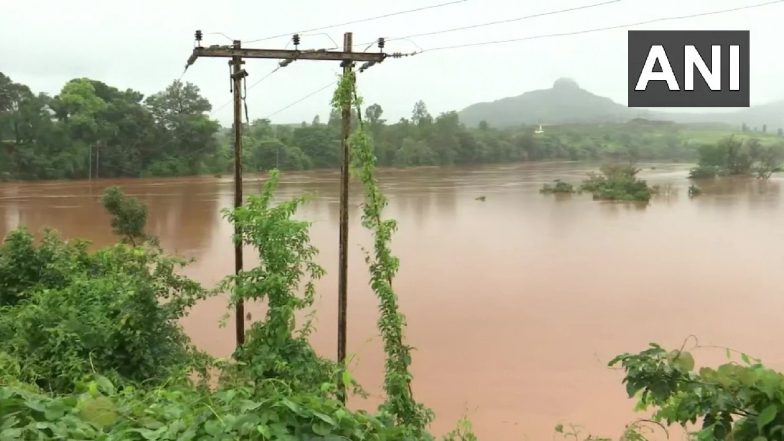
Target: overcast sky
143, 45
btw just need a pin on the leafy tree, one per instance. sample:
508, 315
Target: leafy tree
373, 115
420, 116
185, 132
768, 160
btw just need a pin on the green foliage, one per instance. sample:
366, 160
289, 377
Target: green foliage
400, 403
617, 182
99, 332
25, 267
98, 411
742, 401
286, 263
463, 432
736, 156
704, 171
68, 313
129, 216
558, 187
93, 129
694, 191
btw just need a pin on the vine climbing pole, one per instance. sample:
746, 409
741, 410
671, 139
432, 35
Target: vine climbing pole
237, 75
236, 53
345, 113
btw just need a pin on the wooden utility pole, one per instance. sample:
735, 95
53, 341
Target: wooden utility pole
237, 74
236, 53
343, 239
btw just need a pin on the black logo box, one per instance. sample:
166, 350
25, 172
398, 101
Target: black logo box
657, 94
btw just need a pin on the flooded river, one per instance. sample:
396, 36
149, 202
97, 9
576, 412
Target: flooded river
515, 303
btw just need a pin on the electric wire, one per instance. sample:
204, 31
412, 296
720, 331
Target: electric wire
361, 20
604, 28
292, 104
531, 37
504, 21
221, 34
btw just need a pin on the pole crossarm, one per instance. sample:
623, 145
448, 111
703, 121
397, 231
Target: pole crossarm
227, 51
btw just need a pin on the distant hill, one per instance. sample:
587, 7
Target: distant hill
567, 103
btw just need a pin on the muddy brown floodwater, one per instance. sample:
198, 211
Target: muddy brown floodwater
516, 303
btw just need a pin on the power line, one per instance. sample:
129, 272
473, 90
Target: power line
377, 17
221, 34
605, 28
288, 106
504, 21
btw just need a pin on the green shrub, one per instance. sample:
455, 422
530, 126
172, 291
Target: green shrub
69, 313
741, 400
617, 182
25, 266
704, 172
98, 411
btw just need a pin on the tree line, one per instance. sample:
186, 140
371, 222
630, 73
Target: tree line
92, 129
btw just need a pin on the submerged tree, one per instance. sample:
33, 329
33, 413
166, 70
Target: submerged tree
129, 216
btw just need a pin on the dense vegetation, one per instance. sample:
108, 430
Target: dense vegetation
90, 347
93, 129
735, 156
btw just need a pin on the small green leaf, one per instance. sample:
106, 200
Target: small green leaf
766, 416
213, 427
684, 361
326, 418
322, 429
55, 410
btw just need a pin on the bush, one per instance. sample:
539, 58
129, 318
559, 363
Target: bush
68, 313
25, 267
741, 400
704, 172
617, 182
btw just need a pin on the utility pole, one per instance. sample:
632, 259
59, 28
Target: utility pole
237, 75
236, 53
343, 239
